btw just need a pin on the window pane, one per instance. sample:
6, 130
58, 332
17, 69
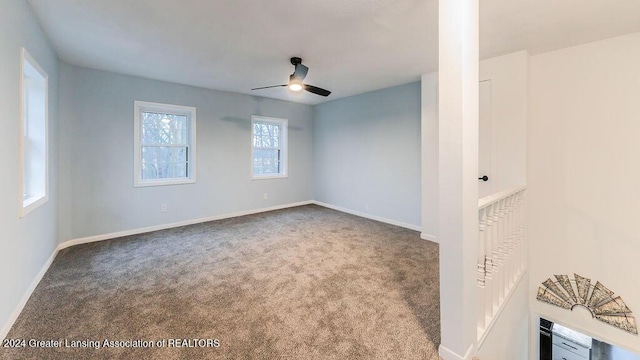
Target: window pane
164, 154
151, 171
162, 162
266, 162
165, 144
266, 135
268, 145
161, 128
34, 124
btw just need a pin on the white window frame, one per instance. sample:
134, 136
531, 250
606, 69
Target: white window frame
190, 112
284, 147
29, 204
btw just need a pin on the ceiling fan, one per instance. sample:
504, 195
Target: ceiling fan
295, 80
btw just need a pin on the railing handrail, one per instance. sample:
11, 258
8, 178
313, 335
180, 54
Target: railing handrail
493, 198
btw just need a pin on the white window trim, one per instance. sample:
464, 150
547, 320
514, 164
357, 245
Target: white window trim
190, 112
30, 204
285, 138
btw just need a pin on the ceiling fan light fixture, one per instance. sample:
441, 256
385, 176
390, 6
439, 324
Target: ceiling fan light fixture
295, 85
295, 80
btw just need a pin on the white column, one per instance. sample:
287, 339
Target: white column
458, 175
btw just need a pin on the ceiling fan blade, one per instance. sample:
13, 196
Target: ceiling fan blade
316, 90
301, 72
267, 87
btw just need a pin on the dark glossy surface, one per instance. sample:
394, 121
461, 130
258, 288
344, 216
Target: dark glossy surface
604, 351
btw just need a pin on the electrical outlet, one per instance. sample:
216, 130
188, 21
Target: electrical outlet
265, 196
163, 208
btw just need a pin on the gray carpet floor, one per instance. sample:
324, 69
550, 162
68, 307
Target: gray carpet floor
301, 283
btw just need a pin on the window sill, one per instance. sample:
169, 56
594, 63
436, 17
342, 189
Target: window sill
32, 203
267, 177
163, 182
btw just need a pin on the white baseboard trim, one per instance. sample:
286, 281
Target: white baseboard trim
118, 234
369, 216
27, 294
14, 315
447, 354
432, 238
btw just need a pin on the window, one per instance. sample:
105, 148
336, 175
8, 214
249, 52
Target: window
34, 154
268, 147
165, 144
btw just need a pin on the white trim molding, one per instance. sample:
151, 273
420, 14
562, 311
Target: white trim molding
27, 294
94, 238
369, 216
446, 354
429, 237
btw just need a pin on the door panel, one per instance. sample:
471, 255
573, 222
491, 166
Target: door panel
485, 142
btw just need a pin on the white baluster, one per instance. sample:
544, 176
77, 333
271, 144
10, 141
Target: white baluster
520, 233
488, 280
508, 242
502, 247
516, 236
481, 271
513, 240
519, 238
495, 257
522, 230
502, 251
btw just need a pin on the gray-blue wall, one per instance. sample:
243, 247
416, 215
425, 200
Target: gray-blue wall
25, 243
367, 153
96, 123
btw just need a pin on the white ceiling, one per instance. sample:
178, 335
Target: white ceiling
350, 46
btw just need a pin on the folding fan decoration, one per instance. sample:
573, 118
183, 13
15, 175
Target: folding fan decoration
600, 301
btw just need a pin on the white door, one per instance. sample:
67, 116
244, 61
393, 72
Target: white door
485, 142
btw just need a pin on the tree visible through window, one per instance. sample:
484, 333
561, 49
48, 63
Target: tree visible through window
269, 151
166, 145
